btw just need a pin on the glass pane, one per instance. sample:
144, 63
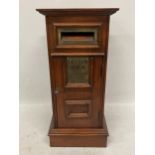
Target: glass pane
77, 69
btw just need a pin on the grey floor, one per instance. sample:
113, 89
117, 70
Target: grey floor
35, 120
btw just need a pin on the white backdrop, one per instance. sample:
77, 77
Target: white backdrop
34, 73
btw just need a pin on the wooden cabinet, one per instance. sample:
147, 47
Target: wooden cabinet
77, 50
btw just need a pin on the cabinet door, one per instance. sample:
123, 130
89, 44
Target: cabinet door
77, 89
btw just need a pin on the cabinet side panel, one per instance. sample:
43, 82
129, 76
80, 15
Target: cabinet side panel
51, 70
104, 71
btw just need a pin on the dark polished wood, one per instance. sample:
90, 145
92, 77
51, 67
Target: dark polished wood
76, 12
77, 50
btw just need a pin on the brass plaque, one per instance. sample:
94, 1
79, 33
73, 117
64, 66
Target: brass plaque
77, 69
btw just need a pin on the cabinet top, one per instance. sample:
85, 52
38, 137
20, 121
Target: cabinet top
77, 12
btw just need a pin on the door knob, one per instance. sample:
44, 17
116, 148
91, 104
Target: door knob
57, 90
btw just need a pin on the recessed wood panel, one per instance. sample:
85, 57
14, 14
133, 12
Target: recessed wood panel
77, 108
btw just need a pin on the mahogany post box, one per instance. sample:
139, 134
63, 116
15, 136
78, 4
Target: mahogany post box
77, 50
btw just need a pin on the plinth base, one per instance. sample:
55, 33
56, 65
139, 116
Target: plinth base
78, 137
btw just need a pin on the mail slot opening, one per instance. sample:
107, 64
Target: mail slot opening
77, 36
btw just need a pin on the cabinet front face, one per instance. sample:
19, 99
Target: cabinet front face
77, 85
77, 50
